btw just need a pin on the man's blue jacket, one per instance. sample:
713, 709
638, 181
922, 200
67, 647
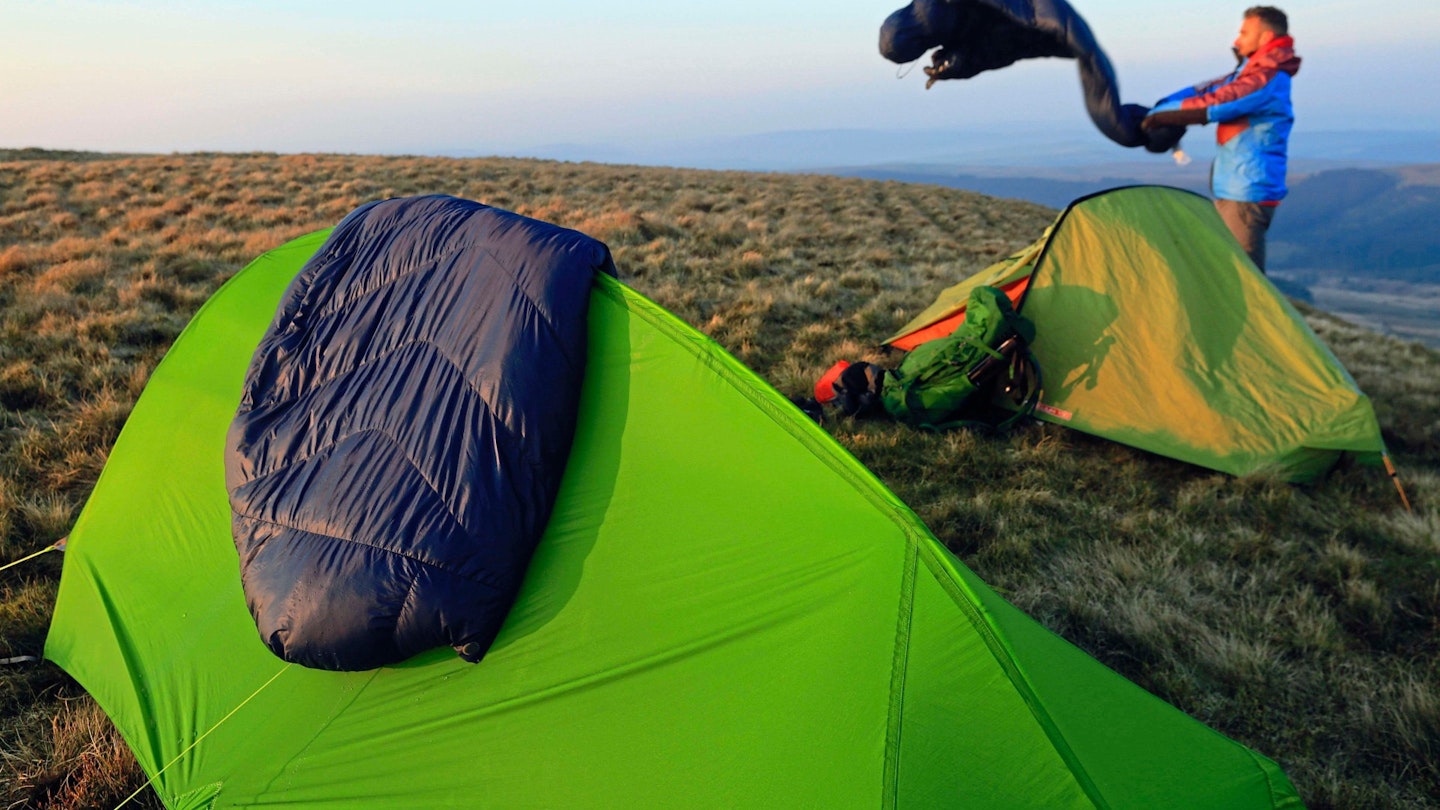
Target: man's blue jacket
1252, 108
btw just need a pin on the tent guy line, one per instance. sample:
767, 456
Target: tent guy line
201, 738
58, 545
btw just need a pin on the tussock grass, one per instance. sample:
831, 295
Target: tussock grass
1303, 621
80, 762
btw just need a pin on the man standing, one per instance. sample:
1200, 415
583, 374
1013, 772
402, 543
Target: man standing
1252, 108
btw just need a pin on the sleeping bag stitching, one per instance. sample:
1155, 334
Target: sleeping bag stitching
409, 596
396, 552
432, 264
422, 266
502, 428
342, 372
544, 317
339, 376
278, 525
403, 454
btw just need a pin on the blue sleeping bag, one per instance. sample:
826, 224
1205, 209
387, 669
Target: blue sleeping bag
973, 36
404, 426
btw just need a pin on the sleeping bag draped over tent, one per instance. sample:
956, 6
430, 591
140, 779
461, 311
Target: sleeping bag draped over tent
693, 630
974, 36
403, 429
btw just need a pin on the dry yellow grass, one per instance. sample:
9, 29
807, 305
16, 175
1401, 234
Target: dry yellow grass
1304, 622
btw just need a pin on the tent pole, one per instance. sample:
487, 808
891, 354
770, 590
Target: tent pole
1395, 476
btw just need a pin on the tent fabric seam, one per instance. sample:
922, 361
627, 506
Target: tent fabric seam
958, 591
1260, 763
1003, 654
152, 780
899, 671
866, 486
1269, 783
319, 732
740, 378
829, 455
125, 645
210, 793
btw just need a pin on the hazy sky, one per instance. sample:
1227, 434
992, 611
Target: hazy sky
504, 77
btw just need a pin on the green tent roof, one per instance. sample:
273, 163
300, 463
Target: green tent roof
1155, 330
726, 610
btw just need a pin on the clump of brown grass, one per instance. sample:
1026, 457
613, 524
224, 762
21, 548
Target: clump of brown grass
78, 276
87, 764
16, 258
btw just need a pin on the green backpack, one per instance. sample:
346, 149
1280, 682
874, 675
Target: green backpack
952, 381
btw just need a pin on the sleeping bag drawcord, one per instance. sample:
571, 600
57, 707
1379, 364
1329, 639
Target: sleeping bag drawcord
58, 545
197, 741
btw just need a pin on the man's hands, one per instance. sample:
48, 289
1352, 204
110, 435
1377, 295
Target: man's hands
1175, 118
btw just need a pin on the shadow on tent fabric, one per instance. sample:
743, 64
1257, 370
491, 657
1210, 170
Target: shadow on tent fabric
1216, 329
1075, 354
559, 562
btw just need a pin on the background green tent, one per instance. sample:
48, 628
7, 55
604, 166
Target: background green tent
1154, 329
726, 610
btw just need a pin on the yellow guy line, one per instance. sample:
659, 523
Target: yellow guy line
58, 545
192, 745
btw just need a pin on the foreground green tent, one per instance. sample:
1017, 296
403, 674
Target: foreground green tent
1155, 330
726, 610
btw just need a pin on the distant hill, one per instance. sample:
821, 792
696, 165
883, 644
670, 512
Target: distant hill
1370, 222
1070, 144
37, 153
1377, 223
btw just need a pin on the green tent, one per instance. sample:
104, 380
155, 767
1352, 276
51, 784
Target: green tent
1156, 330
726, 610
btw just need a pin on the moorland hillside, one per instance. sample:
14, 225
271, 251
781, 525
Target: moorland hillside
1303, 621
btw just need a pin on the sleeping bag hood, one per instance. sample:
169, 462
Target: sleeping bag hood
403, 429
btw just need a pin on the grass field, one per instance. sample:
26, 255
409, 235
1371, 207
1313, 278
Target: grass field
1301, 621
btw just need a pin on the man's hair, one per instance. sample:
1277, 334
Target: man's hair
1272, 18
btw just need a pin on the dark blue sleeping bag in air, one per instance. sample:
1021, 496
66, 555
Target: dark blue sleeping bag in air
973, 36
404, 427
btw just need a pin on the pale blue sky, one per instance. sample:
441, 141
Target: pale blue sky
158, 75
